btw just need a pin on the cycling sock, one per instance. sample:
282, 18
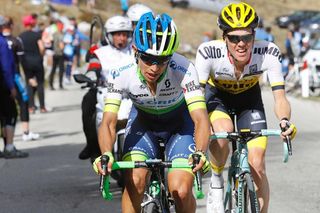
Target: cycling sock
216, 180
216, 177
216, 169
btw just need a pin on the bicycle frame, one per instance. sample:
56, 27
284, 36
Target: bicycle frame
239, 167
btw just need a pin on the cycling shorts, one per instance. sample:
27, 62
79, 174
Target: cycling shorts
248, 107
143, 133
8, 110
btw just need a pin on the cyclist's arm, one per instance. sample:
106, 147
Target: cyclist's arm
201, 128
272, 62
107, 132
197, 107
282, 106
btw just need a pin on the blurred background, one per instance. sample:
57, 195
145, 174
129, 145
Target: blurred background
196, 21
53, 179
193, 23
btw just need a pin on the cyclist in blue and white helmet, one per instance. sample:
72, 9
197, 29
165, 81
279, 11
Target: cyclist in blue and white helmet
157, 36
136, 11
168, 103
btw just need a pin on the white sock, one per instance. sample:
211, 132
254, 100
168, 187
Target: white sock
217, 180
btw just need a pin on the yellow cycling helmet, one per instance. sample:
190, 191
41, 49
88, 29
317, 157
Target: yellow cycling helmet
237, 15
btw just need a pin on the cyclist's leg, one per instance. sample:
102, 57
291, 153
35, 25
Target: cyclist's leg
138, 146
180, 181
255, 120
218, 150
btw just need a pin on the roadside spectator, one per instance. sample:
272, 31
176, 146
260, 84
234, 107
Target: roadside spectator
261, 33
36, 27
91, 4
58, 58
270, 36
124, 6
22, 95
293, 45
76, 44
69, 51
32, 63
47, 39
8, 111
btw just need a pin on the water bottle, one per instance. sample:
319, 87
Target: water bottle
21, 87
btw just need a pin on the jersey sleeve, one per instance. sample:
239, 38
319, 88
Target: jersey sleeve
192, 91
114, 94
274, 68
202, 64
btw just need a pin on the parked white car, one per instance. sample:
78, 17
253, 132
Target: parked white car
312, 60
312, 56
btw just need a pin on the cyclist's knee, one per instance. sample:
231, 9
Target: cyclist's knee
180, 185
136, 179
222, 125
257, 164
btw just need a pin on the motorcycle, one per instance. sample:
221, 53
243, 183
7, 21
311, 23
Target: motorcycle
92, 113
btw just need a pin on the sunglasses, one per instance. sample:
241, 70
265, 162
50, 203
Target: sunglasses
236, 38
154, 60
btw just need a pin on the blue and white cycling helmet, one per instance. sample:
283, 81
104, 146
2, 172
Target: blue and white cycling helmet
157, 36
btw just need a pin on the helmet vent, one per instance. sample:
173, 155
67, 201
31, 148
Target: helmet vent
168, 38
159, 36
238, 12
248, 16
228, 17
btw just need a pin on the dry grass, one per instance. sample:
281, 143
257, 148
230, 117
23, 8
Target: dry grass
191, 23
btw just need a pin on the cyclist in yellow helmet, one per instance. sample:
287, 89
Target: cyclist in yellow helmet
229, 69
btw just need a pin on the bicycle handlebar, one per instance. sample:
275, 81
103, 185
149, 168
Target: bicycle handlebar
150, 163
247, 134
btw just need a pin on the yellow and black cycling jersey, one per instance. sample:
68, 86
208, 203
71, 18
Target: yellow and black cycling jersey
215, 67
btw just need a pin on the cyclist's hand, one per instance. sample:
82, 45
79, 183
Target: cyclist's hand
204, 164
97, 167
287, 128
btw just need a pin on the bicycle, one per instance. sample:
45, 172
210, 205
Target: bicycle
240, 195
156, 197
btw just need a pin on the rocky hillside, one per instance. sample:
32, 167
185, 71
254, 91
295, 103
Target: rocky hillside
191, 23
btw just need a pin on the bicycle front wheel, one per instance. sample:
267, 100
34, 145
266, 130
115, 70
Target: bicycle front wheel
248, 196
150, 208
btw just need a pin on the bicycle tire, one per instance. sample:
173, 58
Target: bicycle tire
231, 197
150, 208
248, 196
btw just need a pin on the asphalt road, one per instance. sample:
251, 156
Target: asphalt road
53, 179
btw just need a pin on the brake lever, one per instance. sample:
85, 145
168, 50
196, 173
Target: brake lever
104, 162
196, 161
289, 145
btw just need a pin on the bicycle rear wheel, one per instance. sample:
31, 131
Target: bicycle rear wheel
248, 196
